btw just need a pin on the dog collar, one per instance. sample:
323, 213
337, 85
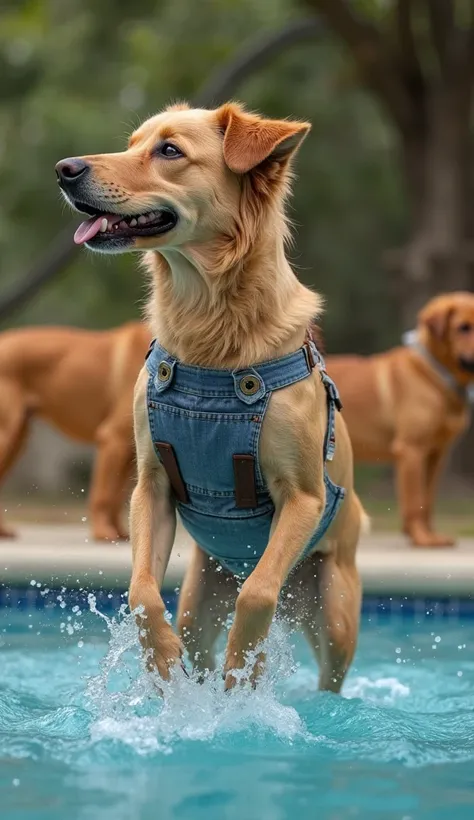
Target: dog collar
411, 339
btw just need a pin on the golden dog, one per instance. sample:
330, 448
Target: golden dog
81, 382
203, 192
409, 405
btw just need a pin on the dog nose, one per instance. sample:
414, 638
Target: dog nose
71, 169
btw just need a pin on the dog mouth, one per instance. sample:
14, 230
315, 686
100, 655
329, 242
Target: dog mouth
104, 227
467, 364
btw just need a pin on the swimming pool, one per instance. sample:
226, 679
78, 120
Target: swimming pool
82, 734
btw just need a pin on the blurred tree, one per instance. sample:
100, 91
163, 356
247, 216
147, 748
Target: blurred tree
417, 59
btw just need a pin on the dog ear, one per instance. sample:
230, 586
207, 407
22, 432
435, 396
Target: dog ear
436, 319
250, 140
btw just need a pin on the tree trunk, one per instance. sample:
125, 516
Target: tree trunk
437, 257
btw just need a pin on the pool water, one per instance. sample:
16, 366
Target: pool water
84, 735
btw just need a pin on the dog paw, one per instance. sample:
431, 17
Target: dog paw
7, 533
109, 534
433, 539
166, 653
236, 671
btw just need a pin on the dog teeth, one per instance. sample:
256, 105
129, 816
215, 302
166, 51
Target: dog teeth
123, 224
142, 220
103, 225
133, 222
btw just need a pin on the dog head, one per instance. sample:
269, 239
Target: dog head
188, 177
447, 327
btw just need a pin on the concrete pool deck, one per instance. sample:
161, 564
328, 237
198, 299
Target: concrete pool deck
65, 555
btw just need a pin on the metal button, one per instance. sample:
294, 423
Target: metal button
249, 384
164, 371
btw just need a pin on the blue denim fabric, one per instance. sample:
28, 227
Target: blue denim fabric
207, 418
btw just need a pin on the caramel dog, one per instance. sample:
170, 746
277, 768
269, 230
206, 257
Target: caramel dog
82, 383
410, 404
203, 191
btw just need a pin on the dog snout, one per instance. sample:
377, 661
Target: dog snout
70, 171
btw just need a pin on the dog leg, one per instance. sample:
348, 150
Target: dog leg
14, 426
258, 598
328, 593
206, 599
334, 638
111, 471
412, 484
434, 467
153, 527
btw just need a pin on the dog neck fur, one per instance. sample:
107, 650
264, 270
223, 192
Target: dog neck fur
234, 300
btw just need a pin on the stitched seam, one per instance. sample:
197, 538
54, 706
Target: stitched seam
256, 445
193, 488
242, 514
198, 414
224, 393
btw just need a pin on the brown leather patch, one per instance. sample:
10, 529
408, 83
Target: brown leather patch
244, 478
172, 470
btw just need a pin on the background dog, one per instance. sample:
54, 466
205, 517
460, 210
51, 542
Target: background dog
82, 383
409, 405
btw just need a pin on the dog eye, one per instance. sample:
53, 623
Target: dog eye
169, 151
466, 327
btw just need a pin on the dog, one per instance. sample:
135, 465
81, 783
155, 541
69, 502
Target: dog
234, 414
410, 404
82, 383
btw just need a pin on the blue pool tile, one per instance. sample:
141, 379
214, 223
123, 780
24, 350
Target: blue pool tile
377, 607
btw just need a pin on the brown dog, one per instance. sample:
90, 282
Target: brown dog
82, 383
408, 406
203, 192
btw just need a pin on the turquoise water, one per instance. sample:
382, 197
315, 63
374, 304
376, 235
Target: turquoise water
83, 734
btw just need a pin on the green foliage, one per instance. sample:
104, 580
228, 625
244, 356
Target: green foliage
76, 76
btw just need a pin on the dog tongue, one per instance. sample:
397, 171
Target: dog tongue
91, 227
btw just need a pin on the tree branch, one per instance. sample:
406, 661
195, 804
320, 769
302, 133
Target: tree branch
252, 58
373, 57
57, 256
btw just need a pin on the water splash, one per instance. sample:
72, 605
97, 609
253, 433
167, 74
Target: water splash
125, 705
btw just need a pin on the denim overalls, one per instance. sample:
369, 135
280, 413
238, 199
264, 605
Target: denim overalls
205, 426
